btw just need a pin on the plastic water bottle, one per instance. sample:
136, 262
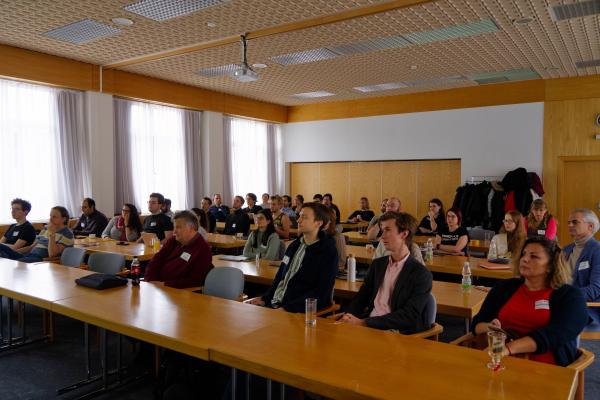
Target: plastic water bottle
135, 272
429, 250
466, 283
351, 267
493, 251
257, 260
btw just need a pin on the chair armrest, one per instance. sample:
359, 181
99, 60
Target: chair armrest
593, 304
464, 340
84, 266
52, 259
328, 310
432, 332
583, 361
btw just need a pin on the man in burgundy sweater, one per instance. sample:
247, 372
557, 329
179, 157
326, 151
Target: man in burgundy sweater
185, 259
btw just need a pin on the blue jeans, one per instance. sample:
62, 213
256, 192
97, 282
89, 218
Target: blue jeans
7, 252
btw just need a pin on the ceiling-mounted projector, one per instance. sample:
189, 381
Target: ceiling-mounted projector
244, 73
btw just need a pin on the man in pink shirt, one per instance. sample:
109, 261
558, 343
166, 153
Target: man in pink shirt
397, 287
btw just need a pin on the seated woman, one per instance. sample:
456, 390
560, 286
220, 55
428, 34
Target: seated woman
452, 239
540, 222
340, 240
511, 237
50, 242
204, 225
124, 227
434, 221
264, 240
541, 308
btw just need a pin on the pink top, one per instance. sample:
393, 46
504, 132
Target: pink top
384, 294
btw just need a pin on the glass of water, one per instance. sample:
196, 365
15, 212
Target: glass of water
496, 341
310, 314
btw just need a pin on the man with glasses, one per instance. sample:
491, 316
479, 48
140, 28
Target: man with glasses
584, 256
22, 233
91, 221
158, 223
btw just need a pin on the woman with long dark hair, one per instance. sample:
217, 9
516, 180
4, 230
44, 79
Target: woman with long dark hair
264, 240
126, 226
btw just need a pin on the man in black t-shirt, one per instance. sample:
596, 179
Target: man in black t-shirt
21, 234
91, 221
364, 214
328, 202
237, 221
158, 223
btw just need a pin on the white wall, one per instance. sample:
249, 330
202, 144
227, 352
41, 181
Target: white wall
490, 141
102, 138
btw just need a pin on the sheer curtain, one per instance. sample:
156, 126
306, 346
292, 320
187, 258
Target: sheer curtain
151, 154
193, 158
44, 152
252, 157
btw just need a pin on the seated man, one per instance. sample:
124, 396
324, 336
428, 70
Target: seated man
393, 204
185, 258
51, 241
328, 202
218, 209
237, 221
309, 266
287, 206
22, 233
318, 198
252, 207
91, 221
158, 223
583, 255
397, 287
166, 208
364, 214
212, 221
375, 219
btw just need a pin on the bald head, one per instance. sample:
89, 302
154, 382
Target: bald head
393, 204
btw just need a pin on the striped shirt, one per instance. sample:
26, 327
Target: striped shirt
293, 268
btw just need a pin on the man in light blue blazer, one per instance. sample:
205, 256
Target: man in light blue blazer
584, 256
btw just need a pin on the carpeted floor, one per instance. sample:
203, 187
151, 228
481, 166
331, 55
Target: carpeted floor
36, 371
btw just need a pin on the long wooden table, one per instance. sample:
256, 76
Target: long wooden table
225, 241
278, 345
454, 265
106, 245
451, 300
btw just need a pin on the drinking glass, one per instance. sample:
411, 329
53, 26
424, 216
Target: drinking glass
496, 342
310, 315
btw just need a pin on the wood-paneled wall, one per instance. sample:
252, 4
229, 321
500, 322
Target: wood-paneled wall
569, 130
414, 182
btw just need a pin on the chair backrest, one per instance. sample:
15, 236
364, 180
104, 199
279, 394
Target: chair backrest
224, 282
106, 263
430, 311
480, 234
72, 256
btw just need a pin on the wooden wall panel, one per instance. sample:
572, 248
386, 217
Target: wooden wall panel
438, 178
569, 129
399, 179
304, 179
334, 179
365, 180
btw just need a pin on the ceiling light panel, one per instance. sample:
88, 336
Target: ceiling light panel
82, 32
385, 43
163, 10
588, 64
574, 10
504, 76
303, 57
437, 81
380, 87
218, 71
312, 95
452, 32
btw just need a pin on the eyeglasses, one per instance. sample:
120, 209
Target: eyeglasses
574, 222
508, 221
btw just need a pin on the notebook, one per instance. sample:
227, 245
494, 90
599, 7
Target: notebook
491, 265
234, 258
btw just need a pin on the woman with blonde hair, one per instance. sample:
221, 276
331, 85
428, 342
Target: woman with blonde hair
540, 222
542, 313
511, 237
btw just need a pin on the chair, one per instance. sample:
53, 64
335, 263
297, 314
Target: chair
72, 256
224, 282
592, 331
429, 314
106, 263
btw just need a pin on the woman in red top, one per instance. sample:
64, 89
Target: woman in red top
545, 312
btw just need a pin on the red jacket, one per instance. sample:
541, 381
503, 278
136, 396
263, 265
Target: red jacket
170, 266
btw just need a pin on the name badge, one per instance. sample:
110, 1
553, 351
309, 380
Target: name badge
541, 232
16, 233
583, 265
152, 223
185, 256
542, 305
82, 225
233, 225
286, 259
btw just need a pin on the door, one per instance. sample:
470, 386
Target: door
579, 187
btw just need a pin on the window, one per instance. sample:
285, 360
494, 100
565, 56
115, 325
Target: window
254, 157
157, 153
29, 154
